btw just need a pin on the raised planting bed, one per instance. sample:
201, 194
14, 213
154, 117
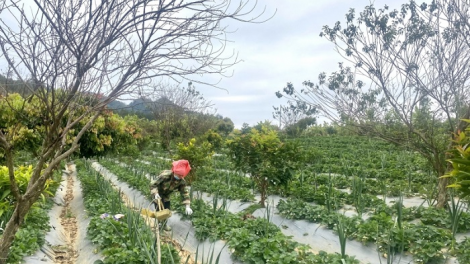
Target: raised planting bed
427, 239
120, 232
254, 240
31, 235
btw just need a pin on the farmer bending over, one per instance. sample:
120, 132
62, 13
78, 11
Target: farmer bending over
169, 181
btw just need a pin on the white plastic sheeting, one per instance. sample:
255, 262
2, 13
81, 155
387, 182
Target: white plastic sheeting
182, 231
56, 237
317, 237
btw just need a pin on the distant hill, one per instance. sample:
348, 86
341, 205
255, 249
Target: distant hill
143, 107
8, 85
117, 105
163, 104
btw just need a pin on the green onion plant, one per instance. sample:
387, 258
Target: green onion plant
341, 229
455, 212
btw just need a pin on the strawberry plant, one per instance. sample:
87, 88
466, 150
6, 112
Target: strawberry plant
426, 242
124, 239
228, 185
463, 251
134, 178
252, 240
252, 248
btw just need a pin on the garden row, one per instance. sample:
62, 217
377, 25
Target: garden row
435, 229
252, 240
430, 237
122, 234
31, 236
368, 158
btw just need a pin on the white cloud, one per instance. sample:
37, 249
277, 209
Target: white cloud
286, 48
233, 99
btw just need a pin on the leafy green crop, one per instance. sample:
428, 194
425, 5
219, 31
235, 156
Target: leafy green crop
253, 240
463, 251
124, 240
31, 235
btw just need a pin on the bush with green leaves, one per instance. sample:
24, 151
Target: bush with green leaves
268, 160
460, 161
198, 153
214, 139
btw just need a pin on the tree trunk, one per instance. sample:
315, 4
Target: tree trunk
442, 183
263, 189
442, 192
262, 202
12, 227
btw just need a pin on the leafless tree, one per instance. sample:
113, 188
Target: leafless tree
178, 110
417, 61
186, 98
102, 48
292, 112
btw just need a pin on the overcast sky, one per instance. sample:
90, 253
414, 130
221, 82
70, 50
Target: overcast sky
286, 48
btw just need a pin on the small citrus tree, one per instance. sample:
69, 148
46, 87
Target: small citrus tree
267, 159
214, 138
198, 153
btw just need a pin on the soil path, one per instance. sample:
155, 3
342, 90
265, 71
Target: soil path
67, 254
66, 242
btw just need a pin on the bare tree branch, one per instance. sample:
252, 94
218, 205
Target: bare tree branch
416, 60
73, 57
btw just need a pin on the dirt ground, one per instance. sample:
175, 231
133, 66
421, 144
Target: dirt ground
67, 254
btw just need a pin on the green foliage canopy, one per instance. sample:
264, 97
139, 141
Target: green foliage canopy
22, 120
268, 160
199, 154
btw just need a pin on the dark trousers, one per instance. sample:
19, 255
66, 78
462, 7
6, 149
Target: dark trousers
166, 205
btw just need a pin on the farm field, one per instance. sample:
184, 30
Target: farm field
319, 132
371, 204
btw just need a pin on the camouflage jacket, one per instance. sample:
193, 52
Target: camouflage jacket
166, 183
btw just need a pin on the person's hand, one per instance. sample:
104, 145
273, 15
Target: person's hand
156, 197
189, 211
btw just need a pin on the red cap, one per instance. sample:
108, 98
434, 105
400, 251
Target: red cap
181, 167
